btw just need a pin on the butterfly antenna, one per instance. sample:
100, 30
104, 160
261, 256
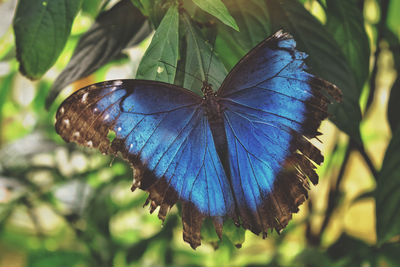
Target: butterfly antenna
209, 63
191, 75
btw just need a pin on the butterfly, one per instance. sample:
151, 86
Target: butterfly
241, 152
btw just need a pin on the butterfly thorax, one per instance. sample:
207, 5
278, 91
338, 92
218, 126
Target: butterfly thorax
210, 102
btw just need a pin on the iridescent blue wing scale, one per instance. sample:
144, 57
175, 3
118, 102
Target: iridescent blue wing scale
271, 107
162, 131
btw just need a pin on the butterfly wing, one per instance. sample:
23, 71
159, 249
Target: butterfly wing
163, 132
272, 106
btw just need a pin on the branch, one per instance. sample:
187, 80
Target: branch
367, 160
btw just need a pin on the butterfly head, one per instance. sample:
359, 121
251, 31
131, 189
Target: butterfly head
207, 89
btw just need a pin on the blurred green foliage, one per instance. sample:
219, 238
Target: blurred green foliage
61, 205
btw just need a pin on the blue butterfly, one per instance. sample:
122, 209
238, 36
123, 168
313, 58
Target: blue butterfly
242, 152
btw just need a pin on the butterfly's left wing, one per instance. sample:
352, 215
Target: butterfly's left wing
271, 107
162, 130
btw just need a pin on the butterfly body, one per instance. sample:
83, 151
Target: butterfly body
241, 152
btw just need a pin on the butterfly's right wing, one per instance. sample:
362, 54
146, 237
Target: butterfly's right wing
272, 107
161, 129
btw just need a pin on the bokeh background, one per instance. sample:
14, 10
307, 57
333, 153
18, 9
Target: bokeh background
61, 205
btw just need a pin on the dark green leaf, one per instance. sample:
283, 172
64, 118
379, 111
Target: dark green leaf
161, 57
311, 257
54, 258
200, 61
393, 110
115, 29
387, 192
91, 7
389, 254
325, 59
253, 20
218, 10
41, 31
361, 253
346, 22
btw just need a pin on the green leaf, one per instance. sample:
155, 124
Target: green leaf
393, 18
387, 192
200, 61
114, 30
325, 60
218, 10
161, 57
253, 19
153, 9
41, 31
235, 234
45, 258
208, 233
346, 22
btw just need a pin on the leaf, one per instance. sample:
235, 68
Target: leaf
161, 57
393, 110
115, 29
361, 253
393, 18
92, 7
325, 60
153, 9
346, 22
5, 89
387, 192
313, 257
44, 258
253, 20
235, 234
200, 61
393, 106
41, 31
218, 10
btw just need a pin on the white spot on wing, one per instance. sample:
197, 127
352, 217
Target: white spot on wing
76, 134
130, 146
113, 88
62, 110
66, 122
84, 97
95, 109
89, 143
119, 129
117, 82
107, 116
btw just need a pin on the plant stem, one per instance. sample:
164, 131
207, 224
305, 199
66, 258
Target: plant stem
368, 161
